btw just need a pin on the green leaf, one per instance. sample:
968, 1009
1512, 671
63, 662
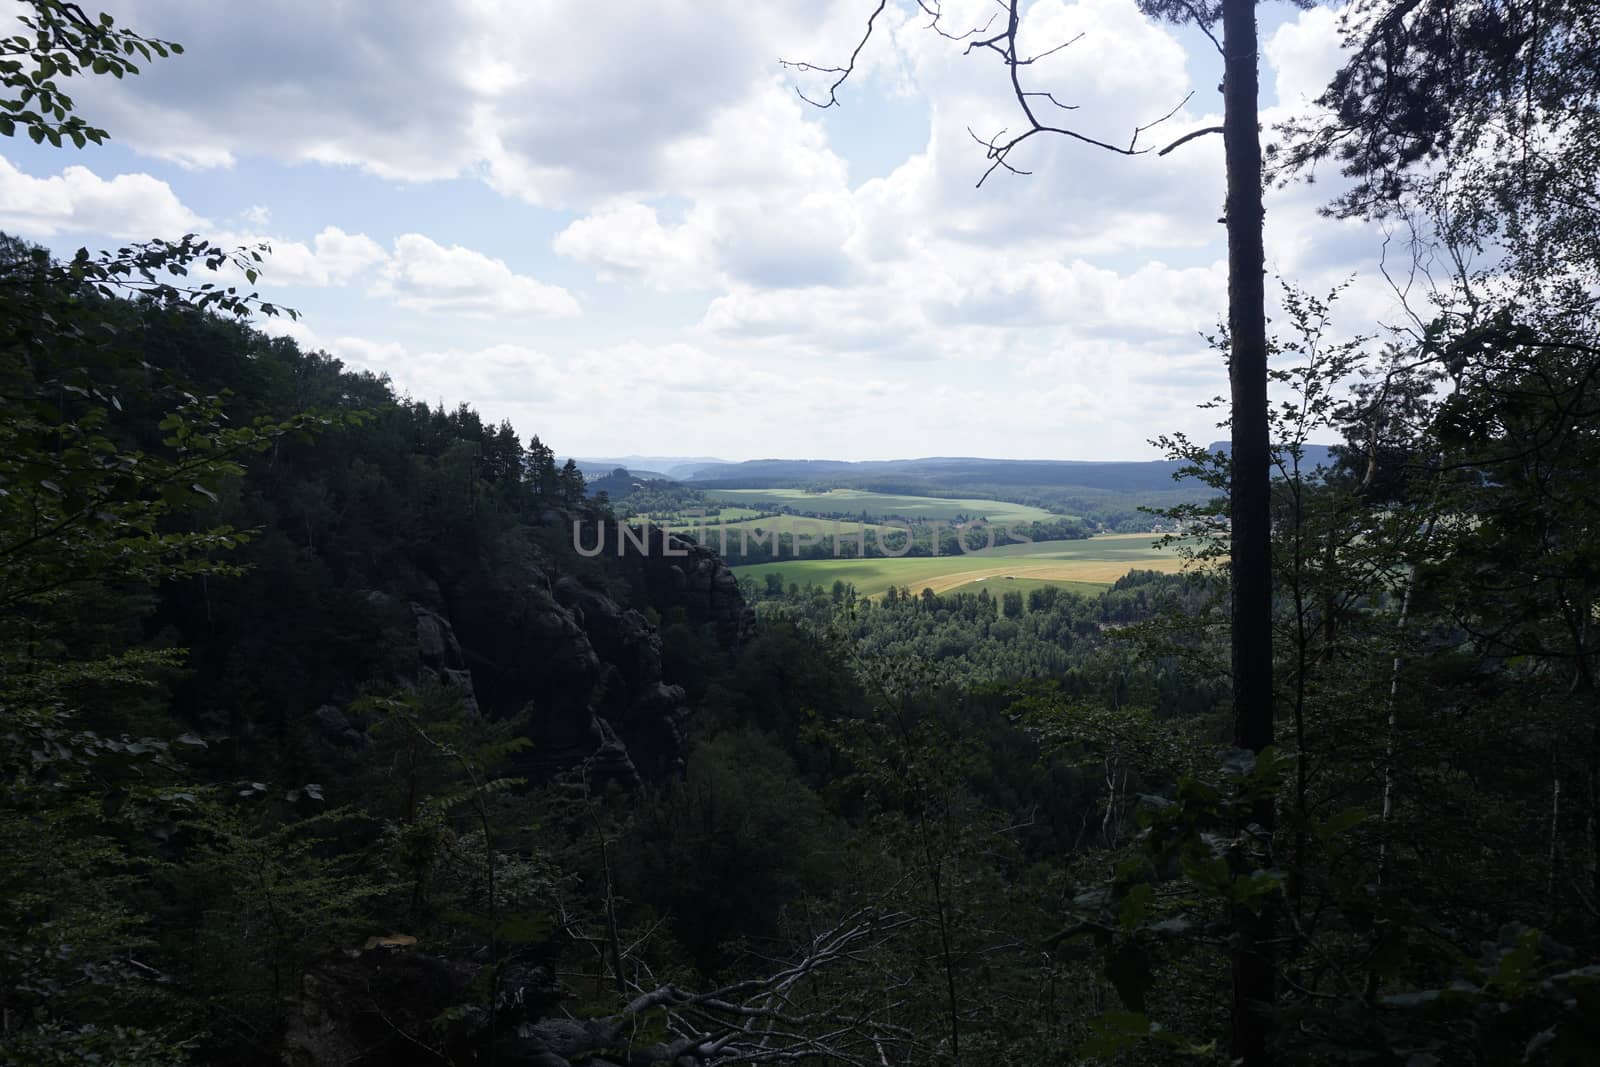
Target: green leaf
1345, 820
1518, 965
526, 929
1135, 905
1130, 971
1116, 1032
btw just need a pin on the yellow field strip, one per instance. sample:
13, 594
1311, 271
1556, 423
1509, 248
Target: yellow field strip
1087, 570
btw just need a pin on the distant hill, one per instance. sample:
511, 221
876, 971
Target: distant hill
677, 467
618, 484
1312, 457
594, 471
950, 472
956, 472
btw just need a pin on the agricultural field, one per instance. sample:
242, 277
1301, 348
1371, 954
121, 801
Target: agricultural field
1088, 564
682, 520
759, 525
852, 503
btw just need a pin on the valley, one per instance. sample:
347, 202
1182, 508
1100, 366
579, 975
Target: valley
1083, 566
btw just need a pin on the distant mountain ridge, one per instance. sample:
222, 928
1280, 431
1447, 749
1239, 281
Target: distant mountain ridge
953, 471
678, 467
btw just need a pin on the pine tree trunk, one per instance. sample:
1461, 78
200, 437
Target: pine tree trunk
1253, 966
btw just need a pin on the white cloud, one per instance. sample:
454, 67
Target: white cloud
682, 398
1304, 55
1052, 314
332, 258
425, 276
447, 89
628, 239
79, 201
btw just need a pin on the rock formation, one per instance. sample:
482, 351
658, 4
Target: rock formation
673, 571
559, 653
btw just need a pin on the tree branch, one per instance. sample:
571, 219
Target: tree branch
1186, 138
843, 72
998, 148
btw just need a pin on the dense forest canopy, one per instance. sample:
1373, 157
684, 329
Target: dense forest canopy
326, 742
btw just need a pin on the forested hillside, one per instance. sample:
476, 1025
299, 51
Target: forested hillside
329, 735
1110, 494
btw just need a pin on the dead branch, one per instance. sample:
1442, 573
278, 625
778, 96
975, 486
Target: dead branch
1186, 138
998, 148
843, 72
758, 1020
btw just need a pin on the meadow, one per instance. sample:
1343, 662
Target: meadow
853, 503
1089, 564
684, 518
761, 524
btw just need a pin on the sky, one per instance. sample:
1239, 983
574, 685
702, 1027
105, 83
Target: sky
617, 224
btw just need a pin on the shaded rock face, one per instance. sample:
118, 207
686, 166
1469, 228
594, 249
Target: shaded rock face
672, 571
595, 668
441, 655
337, 728
336, 1016
373, 1006
583, 673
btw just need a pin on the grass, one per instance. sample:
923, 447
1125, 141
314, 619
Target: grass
851, 503
1095, 561
677, 519
784, 524
997, 586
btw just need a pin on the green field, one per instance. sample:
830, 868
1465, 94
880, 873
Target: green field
784, 524
1002, 584
851, 503
1094, 562
729, 514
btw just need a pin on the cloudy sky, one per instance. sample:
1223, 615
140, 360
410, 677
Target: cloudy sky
615, 223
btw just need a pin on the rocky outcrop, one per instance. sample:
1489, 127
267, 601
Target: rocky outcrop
595, 668
672, 571
560, 654
337, 728
441, 654
583, 673
385, 1005
646, 715
349, 1004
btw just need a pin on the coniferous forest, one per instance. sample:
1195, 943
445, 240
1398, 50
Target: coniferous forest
326, 742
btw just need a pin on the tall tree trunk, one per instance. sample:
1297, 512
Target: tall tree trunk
1253, 965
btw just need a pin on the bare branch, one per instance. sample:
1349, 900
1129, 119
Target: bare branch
1047, 52
1051, 97
843, 72
935, 13
1186, 138
751, 1021
1201, 22
997, 149
1152, 125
